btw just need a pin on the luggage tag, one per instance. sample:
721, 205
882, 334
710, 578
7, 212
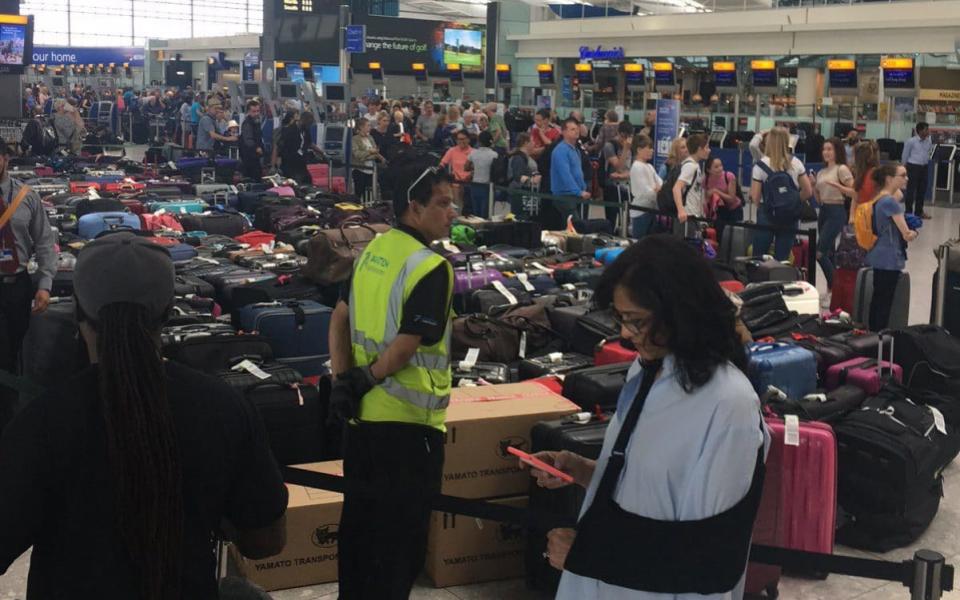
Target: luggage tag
938, 421
791, 433
523, 345
470, 361
249, 367
498, 285
555, 357
525, 282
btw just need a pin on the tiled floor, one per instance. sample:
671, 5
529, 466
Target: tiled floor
942, 535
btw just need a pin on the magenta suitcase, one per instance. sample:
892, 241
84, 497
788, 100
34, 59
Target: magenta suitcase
798, 509
867, 374
468, 279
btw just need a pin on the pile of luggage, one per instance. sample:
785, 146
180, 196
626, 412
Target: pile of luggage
260, 265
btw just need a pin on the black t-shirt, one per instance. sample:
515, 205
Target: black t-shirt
425, 311
57, 494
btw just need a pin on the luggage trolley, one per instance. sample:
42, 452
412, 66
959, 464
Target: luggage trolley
943, 154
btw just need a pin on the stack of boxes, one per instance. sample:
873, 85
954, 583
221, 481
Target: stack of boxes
481, 423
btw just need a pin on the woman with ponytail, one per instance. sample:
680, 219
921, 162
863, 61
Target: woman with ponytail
121, 477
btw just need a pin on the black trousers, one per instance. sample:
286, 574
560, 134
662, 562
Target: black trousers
916, 189
16, 299
361, 183
251, 168
884, 289
383, 537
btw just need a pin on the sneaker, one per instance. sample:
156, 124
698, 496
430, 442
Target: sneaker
925, 216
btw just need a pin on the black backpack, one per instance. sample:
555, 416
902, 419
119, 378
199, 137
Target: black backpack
499, 170
665, 202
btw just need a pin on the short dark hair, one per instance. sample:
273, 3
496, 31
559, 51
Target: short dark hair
922, 126
545, 113
462, 132
485, 139
641, 141
691, 315
419, 193
695, 142
522, 138
252, 103
612, 116
625, 128
570, 120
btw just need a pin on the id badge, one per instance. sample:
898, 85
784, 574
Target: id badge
6, 255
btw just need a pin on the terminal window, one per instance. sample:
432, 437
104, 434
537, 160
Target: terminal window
298, 5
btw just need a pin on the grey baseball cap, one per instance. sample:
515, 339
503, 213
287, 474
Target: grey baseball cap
123, 267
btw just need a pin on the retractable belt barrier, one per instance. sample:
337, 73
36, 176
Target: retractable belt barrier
926, 575
811, 233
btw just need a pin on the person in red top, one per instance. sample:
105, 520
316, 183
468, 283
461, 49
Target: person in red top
543, 132
455, 160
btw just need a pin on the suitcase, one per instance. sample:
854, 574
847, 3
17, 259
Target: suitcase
87, 206
509, 251
798, 505
865, 373
160, 222
91, 225
293, 287
930, 358
945, 299
863, 296
215, 353
732, 286
487, 301
53, 348
828, 352
190, 285
479, 373
133, 206
556, 363
585, 439
554, 383
861, 342
608, 353
824, 406
800, 297
791, 369
589, 276
596, 387
563, 320
754, 270
81, 187
592, 329
536, 285
181, 252
297, 330
319, 173
228, 224
180, 207
179, 333
608, 255
734, 243
468, 279
193, 310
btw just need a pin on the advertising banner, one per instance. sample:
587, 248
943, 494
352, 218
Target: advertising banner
398, 43
668, 127
64, 55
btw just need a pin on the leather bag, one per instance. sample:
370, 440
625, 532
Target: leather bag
332, 251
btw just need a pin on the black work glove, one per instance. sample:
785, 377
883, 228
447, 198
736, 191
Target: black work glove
348, 390
359, 379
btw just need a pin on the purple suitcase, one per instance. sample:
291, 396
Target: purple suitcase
865, 373
465, 280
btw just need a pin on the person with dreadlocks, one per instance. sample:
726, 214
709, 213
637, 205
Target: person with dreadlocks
122, 476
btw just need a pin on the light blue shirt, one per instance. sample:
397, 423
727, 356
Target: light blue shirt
888, 253
566, 171
691, 456
917, 151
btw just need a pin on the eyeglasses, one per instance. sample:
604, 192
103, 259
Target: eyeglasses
635, 326
427, 171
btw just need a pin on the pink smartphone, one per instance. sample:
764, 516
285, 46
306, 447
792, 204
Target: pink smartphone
539, 464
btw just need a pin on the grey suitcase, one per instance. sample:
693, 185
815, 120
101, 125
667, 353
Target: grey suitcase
945, 298
734, 243
863, 294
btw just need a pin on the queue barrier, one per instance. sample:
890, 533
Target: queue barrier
810, 234
927, 575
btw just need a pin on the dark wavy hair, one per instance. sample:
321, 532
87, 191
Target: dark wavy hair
691, 315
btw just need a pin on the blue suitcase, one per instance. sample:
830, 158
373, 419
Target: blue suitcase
296, 330
791, 369
182, 252
91, 225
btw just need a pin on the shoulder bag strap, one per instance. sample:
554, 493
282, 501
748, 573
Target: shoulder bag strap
8, 214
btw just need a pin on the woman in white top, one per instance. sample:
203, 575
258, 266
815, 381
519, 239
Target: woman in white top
834, 181
694, 453
644, 186
778, 159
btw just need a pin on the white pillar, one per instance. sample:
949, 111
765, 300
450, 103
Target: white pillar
806, 91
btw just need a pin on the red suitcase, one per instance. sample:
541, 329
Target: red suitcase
798, 509
134, 206
611, 353
319, 173
733, 286
551, 382
81, 187
844, 284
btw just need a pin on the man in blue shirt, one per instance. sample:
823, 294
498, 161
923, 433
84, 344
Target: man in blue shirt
916, 157
566, 174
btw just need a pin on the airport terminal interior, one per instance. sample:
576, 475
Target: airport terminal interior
269, 144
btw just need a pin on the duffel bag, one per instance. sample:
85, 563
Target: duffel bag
228, 224
331, 252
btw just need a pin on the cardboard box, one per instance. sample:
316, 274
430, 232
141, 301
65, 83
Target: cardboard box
463, 550
481, 423
310, 556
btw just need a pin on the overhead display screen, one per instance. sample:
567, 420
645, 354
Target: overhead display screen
764, 74
725, 74
843, 74
898, 74
663, 74
584, 73
398, 43
16, 40
463, 46
633, 73
545, 73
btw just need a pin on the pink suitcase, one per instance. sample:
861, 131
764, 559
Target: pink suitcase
867, 374
798, 509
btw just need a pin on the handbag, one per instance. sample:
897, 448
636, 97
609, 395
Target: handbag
330, 253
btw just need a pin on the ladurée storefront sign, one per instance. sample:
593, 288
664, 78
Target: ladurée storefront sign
598, 53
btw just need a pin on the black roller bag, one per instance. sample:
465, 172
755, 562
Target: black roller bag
186, 284
214, 354
593, 328
891, 455
863, 343
930, 357
556, 363
489, 372
228, 224
596, 386
489, 299
53, 348
827, 406
584, 439
293, 414
585, 275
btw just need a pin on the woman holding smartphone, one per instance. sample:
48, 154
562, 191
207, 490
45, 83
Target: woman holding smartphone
833, 182
686, 443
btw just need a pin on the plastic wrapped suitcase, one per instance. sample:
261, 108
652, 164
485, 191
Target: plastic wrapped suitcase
791, 369
863, 296
596, 386
868, 374
297, 330
585, 439
798, 506
555, 363
91, 225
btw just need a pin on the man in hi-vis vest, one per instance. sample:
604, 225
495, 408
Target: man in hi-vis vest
390, 353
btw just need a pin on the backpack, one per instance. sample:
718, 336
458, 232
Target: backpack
864, 225
499, 170
781, 197
48, 139
665, 202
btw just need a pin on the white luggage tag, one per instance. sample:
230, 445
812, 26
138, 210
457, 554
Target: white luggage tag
938, 420
791, 433
249, 367
523, 344
470, 361
525, 282
555, 357
498, 285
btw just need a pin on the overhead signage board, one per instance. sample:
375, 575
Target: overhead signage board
63, 55
634, 76
765, 78
598, 53
663, 76
546, 75
584, 73
899, 77
355, 39
667, 128
842, 74
504, 74
725, 76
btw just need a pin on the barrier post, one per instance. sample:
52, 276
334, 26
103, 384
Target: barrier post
491, 194
927, 575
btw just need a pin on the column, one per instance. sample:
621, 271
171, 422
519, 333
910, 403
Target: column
806, 91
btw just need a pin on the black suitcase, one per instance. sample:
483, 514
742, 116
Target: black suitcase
228, 224
825, 406
488, 300
491, 233
186, 284
827, 352
563, 320
216, 353
87, 206
593, 328
177, 333
294, 287
930, 358
583, 439
586, 275
192, 310
53, 348
489, 372
596, 386
863, 343
553, 364
755, 270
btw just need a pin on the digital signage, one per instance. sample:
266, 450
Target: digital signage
764, 75
725, 74
584, 73
663, 74
842, 75
898, 74
16, 41
634, 75
397, 43
545, 73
